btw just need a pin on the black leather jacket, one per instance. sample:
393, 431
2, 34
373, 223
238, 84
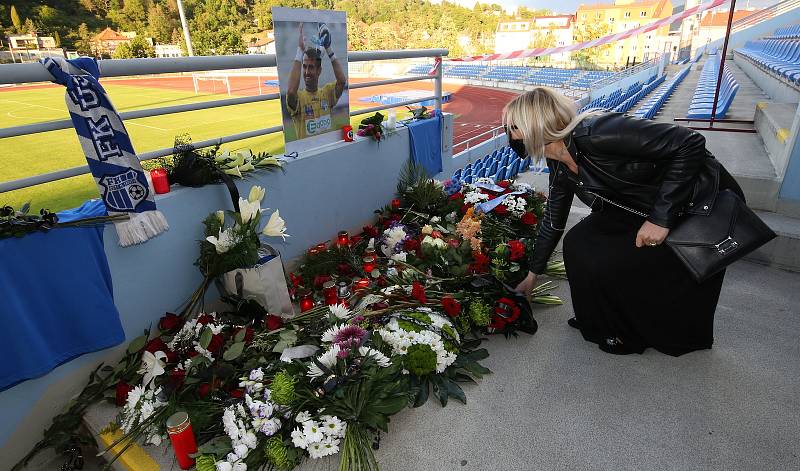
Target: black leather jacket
660, 169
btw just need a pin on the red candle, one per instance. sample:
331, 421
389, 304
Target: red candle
363, 283
313, 251
347, 133
180, 433
343, 239
330, 293
395, 204
306, 300
160, 181
369, 264
321, 247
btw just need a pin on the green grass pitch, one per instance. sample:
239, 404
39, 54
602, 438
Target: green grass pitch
41, 153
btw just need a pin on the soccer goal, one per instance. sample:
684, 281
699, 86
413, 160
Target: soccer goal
249, 82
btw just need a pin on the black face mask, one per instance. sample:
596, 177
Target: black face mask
517, 145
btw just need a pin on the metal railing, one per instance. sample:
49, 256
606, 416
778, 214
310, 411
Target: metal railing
35, 72
628, 72
492, 133
765, 14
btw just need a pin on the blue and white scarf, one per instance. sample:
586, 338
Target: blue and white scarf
116, 169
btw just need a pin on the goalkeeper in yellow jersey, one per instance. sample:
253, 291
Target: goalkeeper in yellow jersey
311, 108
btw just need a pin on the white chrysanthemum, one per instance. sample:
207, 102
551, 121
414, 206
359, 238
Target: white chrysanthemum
250, 440
400, 256
224, 466
332, 426
328, 359
241, 450
299, 439
331, 333
315, 450
312, 431
303, 416
340, 311
270, 427
239, 466
134, 395
382, 360
475, 197
330, 446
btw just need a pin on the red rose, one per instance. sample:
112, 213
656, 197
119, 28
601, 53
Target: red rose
454, 243
465, 208
203, 390
501, 210
386, 223
529, 219
319, 280
480, 263
436, 234
456, 196
344, 269
192, 353
395, 217
156, 345
382, 282
237, 393
355, 239
176, 377
205, 319
411, 245
216, 344
370, 231
248, 334
451, 307
517, 249
395, 204
504, 184
122, 393
170, 322
418, 292
273, 322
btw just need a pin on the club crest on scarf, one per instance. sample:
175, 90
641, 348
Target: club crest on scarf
124, 191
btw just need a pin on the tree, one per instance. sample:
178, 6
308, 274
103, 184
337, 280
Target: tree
84, 42
49, 17
262, 12
57, 38
15, 21
131, 17
138, 47
587, 32
29, 27
160, 23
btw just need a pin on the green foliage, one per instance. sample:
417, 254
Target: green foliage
480, 313
15, 21
205, 463
277, 453
420, 360
418, 191
282, 389
137, 48
586, 31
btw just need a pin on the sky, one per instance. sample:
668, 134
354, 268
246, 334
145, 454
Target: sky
569, 6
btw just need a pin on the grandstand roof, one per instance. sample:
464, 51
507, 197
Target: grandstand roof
621, 6
720, 18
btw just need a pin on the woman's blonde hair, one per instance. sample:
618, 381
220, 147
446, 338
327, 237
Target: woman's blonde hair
542, 116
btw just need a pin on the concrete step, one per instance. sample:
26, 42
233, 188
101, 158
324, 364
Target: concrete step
773, 122
784, 251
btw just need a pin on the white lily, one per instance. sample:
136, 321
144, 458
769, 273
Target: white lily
152, 366
234, 172
249, 210
269, 161
257, 194
223, 242
220, 216
276, 226
246, 167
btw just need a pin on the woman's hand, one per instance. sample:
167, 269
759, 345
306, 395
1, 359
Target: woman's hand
525, 287
651, 235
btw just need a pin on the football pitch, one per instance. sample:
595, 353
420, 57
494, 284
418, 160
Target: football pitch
36, 154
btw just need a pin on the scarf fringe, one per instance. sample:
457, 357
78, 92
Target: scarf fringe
141, 227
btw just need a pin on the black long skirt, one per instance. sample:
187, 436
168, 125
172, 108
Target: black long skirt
643, 296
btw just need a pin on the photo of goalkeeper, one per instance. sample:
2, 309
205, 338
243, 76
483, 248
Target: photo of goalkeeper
310, 108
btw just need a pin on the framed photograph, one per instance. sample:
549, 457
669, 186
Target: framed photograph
311, 50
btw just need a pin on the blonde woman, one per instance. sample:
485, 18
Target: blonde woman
629, 291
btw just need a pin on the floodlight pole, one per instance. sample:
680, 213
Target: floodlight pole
185, 25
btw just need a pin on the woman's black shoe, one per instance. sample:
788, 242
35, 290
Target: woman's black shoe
574, 323
615, 346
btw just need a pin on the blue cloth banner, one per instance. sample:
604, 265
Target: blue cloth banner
56, 298
426, 143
